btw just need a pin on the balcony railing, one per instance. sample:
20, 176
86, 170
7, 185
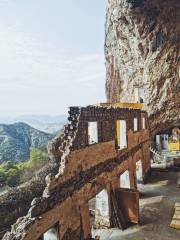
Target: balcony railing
122, 105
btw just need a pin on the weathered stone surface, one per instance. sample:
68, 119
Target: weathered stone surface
16, 202
142, 49
84, 170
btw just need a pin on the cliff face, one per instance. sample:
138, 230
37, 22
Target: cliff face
142, 49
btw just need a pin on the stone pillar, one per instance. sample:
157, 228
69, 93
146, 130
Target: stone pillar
85, 218
102, 219
133, 182
41, 238
146, 162
132, 173
115, 184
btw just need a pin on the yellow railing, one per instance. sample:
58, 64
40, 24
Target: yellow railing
122, 105
174, 146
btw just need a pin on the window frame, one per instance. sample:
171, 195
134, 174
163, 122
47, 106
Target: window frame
90, 136
143, 123
119, 134
137, 126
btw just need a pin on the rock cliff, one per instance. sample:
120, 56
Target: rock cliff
142, 49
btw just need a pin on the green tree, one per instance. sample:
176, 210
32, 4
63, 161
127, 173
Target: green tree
13, 177
15, 173
8, 165
37, 158
2, 176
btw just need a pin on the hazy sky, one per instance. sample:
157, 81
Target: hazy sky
51, 55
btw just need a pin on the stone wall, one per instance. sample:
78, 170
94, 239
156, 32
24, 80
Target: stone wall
16, 202
84, 171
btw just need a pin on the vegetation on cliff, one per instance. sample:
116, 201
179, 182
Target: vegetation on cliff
12, 174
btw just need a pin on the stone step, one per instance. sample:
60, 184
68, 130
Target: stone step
176, 218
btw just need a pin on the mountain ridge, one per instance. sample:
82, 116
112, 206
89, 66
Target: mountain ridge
17, 139
46, 123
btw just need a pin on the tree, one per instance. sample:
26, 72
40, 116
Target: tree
37, 158
13, 177
8, 165
15, 173
2, 176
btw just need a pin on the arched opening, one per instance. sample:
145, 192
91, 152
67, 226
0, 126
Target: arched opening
99, 213
51, 234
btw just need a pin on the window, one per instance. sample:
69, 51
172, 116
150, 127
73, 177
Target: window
92, 133
143, 123
121, 133
102, 209
139, 95
139, 172
52, 233
125, 180
135, 124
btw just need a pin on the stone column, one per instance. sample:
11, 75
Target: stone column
85, 218
115, 184
132, 173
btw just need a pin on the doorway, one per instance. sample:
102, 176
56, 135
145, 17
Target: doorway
165, 139
139, 172
99, 213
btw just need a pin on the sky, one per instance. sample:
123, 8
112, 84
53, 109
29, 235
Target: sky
51, 55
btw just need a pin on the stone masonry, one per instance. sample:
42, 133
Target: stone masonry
84, 171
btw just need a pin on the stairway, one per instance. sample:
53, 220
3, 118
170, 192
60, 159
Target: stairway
161, 159
156, 155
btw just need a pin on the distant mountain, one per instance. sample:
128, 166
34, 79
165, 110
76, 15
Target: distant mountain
17, 139
46, 123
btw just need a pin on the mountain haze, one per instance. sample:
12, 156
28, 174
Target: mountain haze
45, 123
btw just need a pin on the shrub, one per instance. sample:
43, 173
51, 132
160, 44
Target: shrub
13, 177
2, 176
13, 173
37, 158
